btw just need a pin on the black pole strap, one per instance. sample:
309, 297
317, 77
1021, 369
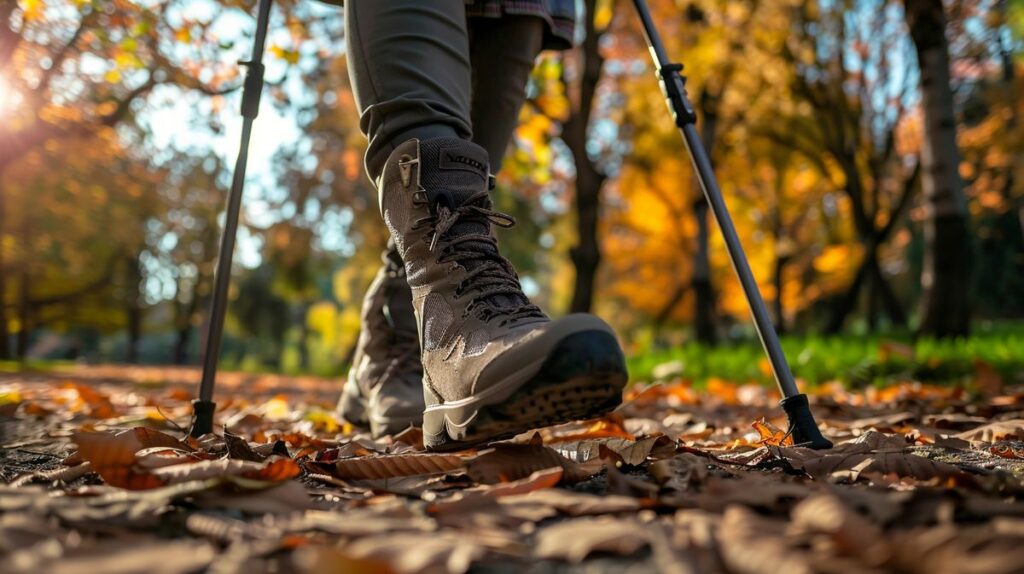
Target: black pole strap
203, 408
673, 85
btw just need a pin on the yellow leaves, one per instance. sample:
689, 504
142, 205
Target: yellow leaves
323, 421
834, 258
32, 9
11, 397
603, 14
183, 35
276, 408
288, 55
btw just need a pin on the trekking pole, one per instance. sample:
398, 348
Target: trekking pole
801, 422
203, 407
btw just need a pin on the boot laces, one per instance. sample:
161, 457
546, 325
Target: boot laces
490, 280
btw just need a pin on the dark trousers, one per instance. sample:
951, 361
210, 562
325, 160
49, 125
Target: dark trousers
420, 70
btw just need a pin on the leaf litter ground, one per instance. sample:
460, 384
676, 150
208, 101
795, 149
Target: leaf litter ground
100, 477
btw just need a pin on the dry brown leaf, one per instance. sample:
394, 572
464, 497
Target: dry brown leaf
273, 470
239, 448
750, 543
436, 552
771, 494
1007, 450
64, 473
633, 452
330, 560
850, 533
412, 436
541, 479
127, 556
987, 380
118, 449
574, 540
611, 426
505, 462
395, 465
697, 431
113, 455
573, 503
679, 473
996, 431
771, 434
821, 464
284, 498
96, 403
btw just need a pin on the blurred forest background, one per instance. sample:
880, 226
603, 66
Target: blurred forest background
872, 153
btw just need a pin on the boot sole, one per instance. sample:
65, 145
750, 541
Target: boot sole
582, 377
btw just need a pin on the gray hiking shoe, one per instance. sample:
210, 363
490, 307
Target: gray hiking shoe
494, 364
384, 390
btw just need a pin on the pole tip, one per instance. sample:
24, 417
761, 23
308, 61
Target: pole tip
805, 429
202, 417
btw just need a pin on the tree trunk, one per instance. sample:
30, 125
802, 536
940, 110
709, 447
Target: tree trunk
704, 293
182, 337
586, 256
24, 310
133, 310
780, 317
4, 334
945, 276
303, 312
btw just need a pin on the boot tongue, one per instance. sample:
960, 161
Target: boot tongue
454, 170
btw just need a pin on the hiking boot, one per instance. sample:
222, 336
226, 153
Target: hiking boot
384, 390
494, 364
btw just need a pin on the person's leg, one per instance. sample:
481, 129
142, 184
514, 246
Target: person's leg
408, 62
493, 364
409, 68
502, 53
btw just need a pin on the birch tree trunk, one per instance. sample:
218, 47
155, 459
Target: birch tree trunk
945, 277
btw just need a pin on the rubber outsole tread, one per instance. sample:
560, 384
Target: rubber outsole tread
582, 378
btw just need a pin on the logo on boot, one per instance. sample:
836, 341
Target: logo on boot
455, 160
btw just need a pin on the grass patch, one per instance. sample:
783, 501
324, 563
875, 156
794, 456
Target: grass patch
855, 360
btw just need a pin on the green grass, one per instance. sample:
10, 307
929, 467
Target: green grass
852, 359
35, 365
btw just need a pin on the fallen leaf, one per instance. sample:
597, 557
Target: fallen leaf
574, 540
434, 552
540, 479
850, 533
506, 462
239, 448
996, 431
987, 380
748, 543
681, 472
573, 503
1007, 449
771, 434
395, 465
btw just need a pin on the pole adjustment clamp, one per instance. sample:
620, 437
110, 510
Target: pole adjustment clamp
673, 85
